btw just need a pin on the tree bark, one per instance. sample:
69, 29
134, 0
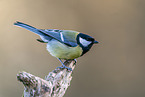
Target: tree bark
55, 83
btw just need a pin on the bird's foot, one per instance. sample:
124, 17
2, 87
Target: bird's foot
62, 67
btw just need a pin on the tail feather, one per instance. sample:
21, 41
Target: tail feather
28, 27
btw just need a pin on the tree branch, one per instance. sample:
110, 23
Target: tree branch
55, 83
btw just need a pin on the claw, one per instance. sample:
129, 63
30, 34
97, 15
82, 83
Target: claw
61, 67
75, 61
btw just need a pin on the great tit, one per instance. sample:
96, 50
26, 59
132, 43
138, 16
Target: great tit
62, 44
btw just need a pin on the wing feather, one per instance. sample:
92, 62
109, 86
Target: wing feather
46, 35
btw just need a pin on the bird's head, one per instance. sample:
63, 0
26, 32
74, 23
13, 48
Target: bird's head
85, 42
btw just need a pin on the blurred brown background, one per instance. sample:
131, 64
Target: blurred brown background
113, 68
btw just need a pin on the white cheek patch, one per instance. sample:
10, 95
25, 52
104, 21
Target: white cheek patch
84, 42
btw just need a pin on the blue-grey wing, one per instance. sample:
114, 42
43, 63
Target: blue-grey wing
43, 36
48, 34
58, 35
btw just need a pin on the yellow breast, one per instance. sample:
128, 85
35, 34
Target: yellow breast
62, 51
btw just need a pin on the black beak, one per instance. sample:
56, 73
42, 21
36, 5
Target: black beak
96, 42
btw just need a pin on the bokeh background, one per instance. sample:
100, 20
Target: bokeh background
113, 68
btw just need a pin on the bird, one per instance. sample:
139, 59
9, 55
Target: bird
62, 44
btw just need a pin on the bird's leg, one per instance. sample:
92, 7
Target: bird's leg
63, 66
